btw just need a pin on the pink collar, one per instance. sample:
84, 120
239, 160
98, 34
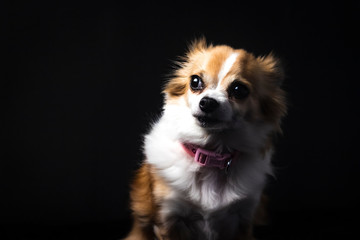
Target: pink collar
209, 158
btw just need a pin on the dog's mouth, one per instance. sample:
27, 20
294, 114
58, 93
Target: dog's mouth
208, 122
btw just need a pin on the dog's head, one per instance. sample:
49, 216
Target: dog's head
223, 88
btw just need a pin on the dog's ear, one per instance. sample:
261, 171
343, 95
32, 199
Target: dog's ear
272, 100
272, 68
196, 46
175, 87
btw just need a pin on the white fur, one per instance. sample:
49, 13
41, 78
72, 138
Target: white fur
163, 150
225, 68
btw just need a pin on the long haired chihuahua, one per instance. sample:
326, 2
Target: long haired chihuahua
208, 155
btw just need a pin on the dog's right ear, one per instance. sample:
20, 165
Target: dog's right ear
196, 46
175, 87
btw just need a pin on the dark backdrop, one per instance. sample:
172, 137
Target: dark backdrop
80, 84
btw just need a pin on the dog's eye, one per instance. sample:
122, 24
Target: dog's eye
196, 83
238, 90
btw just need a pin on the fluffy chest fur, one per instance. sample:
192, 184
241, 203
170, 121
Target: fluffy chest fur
209, 188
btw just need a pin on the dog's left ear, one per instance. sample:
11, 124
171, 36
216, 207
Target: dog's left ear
272, 68
272, 102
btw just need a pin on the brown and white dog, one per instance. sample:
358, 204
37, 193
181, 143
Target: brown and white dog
208, 155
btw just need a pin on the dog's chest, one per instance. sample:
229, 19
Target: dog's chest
211, 189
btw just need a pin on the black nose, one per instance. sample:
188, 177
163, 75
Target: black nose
208, 105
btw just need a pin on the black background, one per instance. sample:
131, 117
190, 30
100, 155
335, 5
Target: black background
81, 84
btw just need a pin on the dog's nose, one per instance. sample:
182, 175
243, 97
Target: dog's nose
208, 105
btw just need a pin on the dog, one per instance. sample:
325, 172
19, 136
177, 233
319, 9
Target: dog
208, 155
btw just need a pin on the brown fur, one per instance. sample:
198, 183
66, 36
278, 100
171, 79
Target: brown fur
147, 192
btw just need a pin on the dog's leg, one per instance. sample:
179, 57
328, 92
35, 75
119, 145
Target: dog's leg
139, 233
181, 220
142, 205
